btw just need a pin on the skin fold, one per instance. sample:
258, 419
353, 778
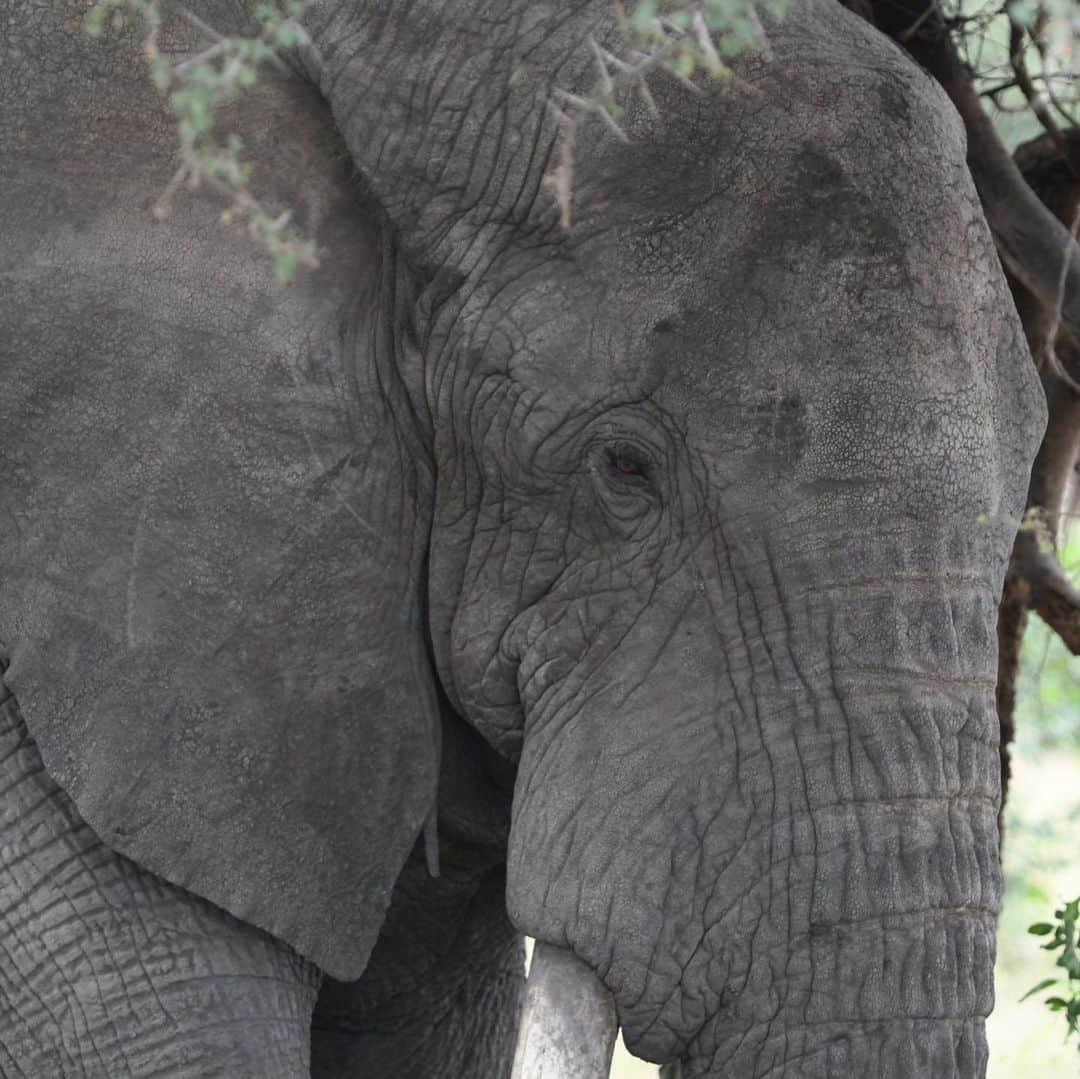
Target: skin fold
631, 586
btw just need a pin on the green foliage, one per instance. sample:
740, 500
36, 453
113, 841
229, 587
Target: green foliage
110, 13
1038, 851
684, 38
681, 37
1062, 933
197, 88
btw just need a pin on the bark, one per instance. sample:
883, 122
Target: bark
1048, 591
1052, 176
1039, 103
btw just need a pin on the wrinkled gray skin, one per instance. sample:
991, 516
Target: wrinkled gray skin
685, 525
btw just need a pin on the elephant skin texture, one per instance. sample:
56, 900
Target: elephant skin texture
630, 585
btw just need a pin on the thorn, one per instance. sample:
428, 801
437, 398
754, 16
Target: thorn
705, 43
610, 121
646, 95
189, 16
764, 48
560, 115
207, 54
669, 27
606, 81
684, 81
610, 58
577, 102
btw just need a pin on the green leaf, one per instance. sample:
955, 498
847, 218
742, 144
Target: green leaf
285, 265
1044, 984
287, 35
94, 21
643, 14
1040, 929
161, 76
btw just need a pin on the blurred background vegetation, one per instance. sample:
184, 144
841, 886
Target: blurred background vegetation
1041, 867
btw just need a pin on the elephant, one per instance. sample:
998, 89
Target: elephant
628, 584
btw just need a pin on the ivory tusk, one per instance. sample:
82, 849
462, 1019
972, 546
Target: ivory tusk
568, 1024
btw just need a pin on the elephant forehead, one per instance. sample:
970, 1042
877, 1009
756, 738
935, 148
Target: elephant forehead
854, 371
848, 323
803, 281
858, 310
742, 232
802, 163
825, 360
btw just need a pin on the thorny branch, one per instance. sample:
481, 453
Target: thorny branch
196, 88
682, 40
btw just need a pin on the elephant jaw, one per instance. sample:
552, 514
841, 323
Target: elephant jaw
568, 1024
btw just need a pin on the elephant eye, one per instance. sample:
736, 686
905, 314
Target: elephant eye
627, 461
625, 478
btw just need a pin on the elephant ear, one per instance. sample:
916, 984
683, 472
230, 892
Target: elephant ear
214, 515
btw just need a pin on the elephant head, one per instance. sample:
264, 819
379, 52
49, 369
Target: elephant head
697, 512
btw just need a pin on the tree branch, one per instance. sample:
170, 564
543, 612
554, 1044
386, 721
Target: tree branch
1034, 245
1049, 593
1037, 101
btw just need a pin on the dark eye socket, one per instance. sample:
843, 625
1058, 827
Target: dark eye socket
627, 462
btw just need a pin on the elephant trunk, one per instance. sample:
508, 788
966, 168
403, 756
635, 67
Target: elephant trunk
780, 848
568, 1024
871, 900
